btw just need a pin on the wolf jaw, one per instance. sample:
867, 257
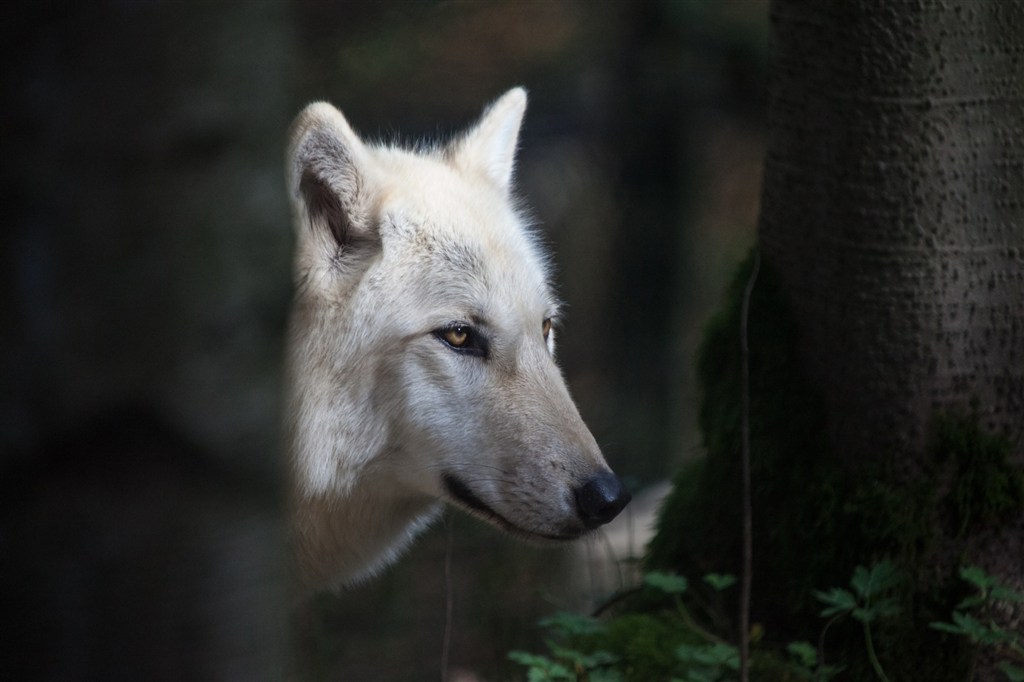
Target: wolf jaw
421, 351
463, 496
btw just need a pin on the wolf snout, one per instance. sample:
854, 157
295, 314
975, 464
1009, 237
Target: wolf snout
601, 498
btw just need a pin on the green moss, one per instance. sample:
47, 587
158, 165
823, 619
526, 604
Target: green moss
797, 498
985, 485
644, 643
814, 522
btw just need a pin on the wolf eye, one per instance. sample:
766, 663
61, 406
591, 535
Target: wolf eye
462, 338
547, 328
456, 337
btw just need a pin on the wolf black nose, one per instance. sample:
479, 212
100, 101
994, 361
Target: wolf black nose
601, 499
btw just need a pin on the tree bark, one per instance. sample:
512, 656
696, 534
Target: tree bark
893, 210
893, 214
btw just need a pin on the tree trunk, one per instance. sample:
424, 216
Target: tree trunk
893, 210
893, 215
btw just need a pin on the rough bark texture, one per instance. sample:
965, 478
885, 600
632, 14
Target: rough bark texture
893, 209
893, 212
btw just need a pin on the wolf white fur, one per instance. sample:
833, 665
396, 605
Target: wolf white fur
421, 351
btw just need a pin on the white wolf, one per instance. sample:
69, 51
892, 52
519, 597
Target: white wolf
421, 343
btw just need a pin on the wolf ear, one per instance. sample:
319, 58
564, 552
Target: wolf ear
327, 167
490, 146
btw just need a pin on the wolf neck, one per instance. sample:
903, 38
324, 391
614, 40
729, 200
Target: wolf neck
341, 539
348, 519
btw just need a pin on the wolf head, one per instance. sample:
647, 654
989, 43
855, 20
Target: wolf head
421, 350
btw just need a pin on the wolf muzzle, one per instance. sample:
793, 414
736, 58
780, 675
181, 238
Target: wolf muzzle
600, 499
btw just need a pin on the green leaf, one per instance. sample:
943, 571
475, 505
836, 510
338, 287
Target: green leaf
991, 588
666, 582
564, 653
863, 615
552, 674
970, 626
861, 580
724, 654
537, 675
1012, 672
571, 624
541, 668
686, 652
804, 653
589, 661
558, 672
1004, 593
598, 659
827, 672
713, 655
947, 627
886, 608
605, 675
528, 659
977, 577
967, 626
874, 581
701, 675
837, 600
971, 602
720, 581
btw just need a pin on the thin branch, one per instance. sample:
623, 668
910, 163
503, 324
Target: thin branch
872, 656
748, 514
449, 600
692, 624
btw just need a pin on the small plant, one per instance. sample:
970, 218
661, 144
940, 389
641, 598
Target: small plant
669, 643
974, 618
707, 662
868, 601
566, 663
591, 667
662, 644
710, 659
808, 663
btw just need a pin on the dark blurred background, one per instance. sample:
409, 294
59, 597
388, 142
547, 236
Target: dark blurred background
145, 262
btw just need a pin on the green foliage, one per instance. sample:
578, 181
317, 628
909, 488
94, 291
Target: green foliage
719, 581
869, 600
708, 662
572, 624
666, 644
541, 668
809, 666
666, 582
986, 486
645, 643
663, 643
975, 618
